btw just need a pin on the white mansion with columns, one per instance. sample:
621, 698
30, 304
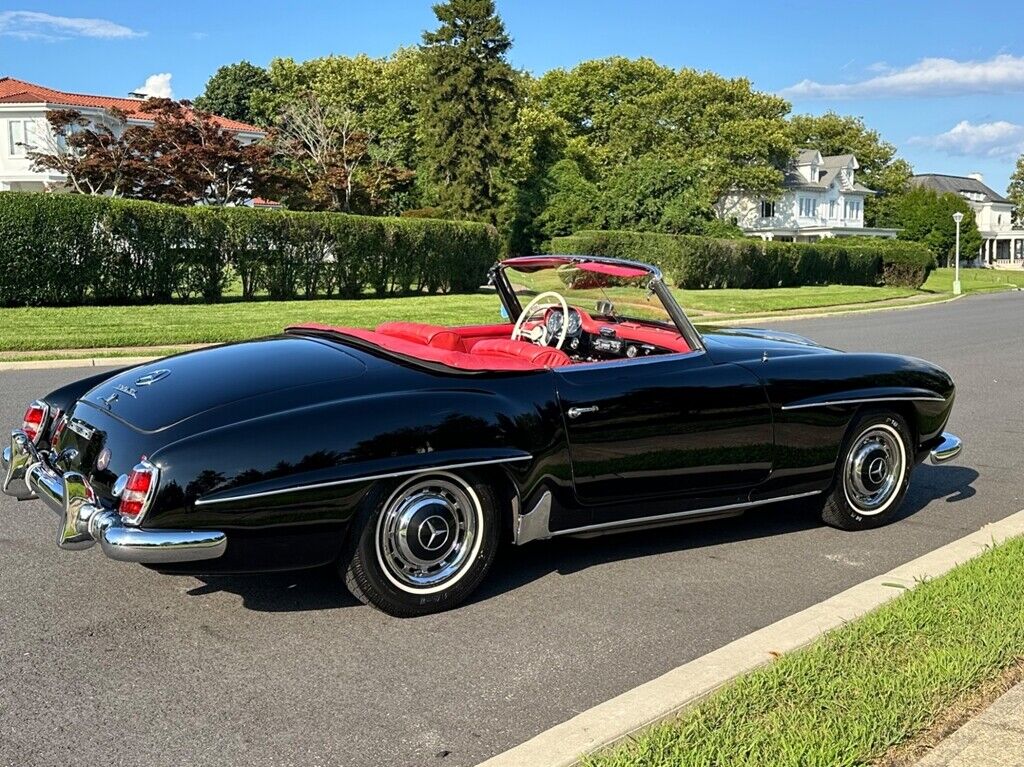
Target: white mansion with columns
1002, 244
821, 198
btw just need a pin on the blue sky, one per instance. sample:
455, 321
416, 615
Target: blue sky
942, 80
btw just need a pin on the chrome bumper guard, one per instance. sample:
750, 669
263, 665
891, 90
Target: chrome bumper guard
84, 520
947, 450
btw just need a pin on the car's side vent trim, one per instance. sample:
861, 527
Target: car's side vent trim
369, 478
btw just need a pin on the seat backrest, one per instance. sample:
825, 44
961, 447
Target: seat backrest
432, 335
544, 356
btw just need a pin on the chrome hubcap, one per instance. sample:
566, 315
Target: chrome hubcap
874, 470
428, 533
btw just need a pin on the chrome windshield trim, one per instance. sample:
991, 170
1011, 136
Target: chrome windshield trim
638, 521
861, 400
369, 478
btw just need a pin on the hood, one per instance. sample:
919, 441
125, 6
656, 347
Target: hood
734, 344
163, 393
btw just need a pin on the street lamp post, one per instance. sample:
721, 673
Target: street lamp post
958, 217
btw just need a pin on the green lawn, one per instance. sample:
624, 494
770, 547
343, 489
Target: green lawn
974, 280
35, 329
860, 690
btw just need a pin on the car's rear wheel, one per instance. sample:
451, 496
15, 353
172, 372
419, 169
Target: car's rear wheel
424, 546
873, 473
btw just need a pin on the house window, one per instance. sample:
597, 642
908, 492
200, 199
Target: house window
16, 135
767, 209
999, 219
852, 209
22, 137
808, 207
833, 209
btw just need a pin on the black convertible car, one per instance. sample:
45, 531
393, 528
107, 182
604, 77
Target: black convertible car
406, 455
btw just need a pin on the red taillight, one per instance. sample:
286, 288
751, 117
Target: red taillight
35, 420
138, 491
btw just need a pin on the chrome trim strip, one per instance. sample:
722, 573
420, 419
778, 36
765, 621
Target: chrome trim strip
828, 403
370, 478
636, 521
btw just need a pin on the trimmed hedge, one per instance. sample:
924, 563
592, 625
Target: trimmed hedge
691, 261
66, 250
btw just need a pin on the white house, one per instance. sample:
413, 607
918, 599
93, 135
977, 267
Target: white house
1002, 245
821, 198
23, 127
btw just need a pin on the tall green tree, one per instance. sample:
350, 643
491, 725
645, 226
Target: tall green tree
1015, 192
469, 102
925, 216
623, 110
880, 168
229, 92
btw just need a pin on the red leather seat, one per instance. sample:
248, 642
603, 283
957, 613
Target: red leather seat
432, 335
544, 356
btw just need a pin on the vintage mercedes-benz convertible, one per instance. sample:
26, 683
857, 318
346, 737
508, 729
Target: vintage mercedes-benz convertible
404, 456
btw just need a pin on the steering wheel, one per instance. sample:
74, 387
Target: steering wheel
517, 331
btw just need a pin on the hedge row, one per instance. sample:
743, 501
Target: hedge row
64, 250
704, 262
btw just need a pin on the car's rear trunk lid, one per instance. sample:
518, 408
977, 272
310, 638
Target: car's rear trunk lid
160, 394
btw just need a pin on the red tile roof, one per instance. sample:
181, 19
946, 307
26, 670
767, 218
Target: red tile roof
20, 92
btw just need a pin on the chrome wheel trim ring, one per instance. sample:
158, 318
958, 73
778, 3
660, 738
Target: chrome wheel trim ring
429, 533
874, 469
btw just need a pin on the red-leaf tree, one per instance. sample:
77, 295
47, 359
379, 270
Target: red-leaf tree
185, 157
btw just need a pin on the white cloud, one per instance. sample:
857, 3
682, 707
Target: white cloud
199, 35
928, 77
995, 139
31, 25
158, 86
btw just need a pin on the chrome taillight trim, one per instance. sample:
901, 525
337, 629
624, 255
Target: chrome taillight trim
154, 470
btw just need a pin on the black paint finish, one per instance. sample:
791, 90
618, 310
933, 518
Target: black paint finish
278, 441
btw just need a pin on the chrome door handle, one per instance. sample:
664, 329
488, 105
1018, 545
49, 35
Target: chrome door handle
576, 412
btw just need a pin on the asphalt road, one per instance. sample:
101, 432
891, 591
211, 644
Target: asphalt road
104, 663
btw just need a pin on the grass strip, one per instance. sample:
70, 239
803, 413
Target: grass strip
84, 327
861, 690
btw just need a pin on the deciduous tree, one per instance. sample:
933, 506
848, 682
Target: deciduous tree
94, 158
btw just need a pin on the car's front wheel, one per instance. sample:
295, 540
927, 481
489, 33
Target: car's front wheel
424, 546
873, 473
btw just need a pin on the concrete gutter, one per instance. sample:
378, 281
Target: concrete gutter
664, 697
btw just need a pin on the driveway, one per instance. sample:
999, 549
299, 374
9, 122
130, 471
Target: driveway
108, 663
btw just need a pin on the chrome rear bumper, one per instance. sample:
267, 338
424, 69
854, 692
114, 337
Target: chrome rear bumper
947, 450
84, 520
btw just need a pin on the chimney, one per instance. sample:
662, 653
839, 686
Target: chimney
977, 177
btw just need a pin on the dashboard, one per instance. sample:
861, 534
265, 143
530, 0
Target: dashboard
591, 340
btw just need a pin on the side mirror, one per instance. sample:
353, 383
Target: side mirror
606, 308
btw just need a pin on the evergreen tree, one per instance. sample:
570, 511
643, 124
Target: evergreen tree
468, 107
229, 92
1015, 192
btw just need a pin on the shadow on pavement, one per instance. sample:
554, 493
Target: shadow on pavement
322, 589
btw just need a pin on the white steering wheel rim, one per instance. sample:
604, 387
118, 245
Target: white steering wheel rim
517, 331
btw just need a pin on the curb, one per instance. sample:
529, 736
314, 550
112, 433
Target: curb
664, 697
820, 315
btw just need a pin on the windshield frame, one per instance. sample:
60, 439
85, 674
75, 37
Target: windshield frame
510, 300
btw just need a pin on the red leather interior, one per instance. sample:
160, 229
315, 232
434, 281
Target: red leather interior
431, 335
489, 347
545, 356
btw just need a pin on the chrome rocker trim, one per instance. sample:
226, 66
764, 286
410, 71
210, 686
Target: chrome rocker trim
84, 520
861, 401
947, 450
